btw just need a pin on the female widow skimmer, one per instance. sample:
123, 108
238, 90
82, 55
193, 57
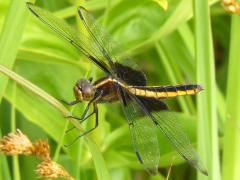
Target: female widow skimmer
142, 105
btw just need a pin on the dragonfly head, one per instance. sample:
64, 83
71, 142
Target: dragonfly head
84, 90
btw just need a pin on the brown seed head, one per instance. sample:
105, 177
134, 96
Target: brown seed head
231, 6
50, 169
42, 150
16, 143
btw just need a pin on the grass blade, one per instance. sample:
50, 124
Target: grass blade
207, 106
101, 169
10, 37
15, 160
231, 147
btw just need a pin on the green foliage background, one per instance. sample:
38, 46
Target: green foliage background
192, 41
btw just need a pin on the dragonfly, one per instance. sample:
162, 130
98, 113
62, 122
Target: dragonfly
144, 106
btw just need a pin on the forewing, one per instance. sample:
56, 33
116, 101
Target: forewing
79, 39
143, 132
111, 50
98, 35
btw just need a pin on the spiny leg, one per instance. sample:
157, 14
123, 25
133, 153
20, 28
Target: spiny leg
83, 117
81, 121
97, 97
88, 131
96, 123
70, 103
84, 113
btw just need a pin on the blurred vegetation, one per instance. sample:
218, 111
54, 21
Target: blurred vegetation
168, 48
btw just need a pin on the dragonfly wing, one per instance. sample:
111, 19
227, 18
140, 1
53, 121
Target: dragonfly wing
157, 112
143, 133
97, 35
112, 51
173, 131
92, 40
79, 39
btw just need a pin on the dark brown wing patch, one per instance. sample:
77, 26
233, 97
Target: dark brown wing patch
130, 76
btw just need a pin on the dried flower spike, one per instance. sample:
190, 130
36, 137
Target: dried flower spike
16, 143
41, 149
231, 6
50, 169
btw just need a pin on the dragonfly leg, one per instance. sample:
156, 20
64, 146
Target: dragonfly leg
84, 117
84, 113
69, 103
88, 131
82, 120
87, 108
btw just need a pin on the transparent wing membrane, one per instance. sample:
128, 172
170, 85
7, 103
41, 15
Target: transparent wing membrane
91, 39
172, 129
81, 39
110, 49
143, 133
97, 35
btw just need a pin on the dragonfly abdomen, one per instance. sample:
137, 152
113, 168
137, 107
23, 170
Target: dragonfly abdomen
161, 92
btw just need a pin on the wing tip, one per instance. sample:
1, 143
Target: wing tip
29, 3
80, 9
152, 171
30, 6
205, 172
202, 169
197, 164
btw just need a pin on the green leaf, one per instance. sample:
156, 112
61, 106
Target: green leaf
101, 170
231, 146
10, 37
162, 3
207, 105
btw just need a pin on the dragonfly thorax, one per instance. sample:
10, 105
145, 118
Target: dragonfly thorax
84, 90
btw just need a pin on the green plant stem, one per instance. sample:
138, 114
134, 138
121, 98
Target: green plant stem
60, 142
231, 145
15, 161
207, 106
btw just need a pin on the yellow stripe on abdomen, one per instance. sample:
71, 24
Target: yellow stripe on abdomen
147, 93
140, 92
159, 94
